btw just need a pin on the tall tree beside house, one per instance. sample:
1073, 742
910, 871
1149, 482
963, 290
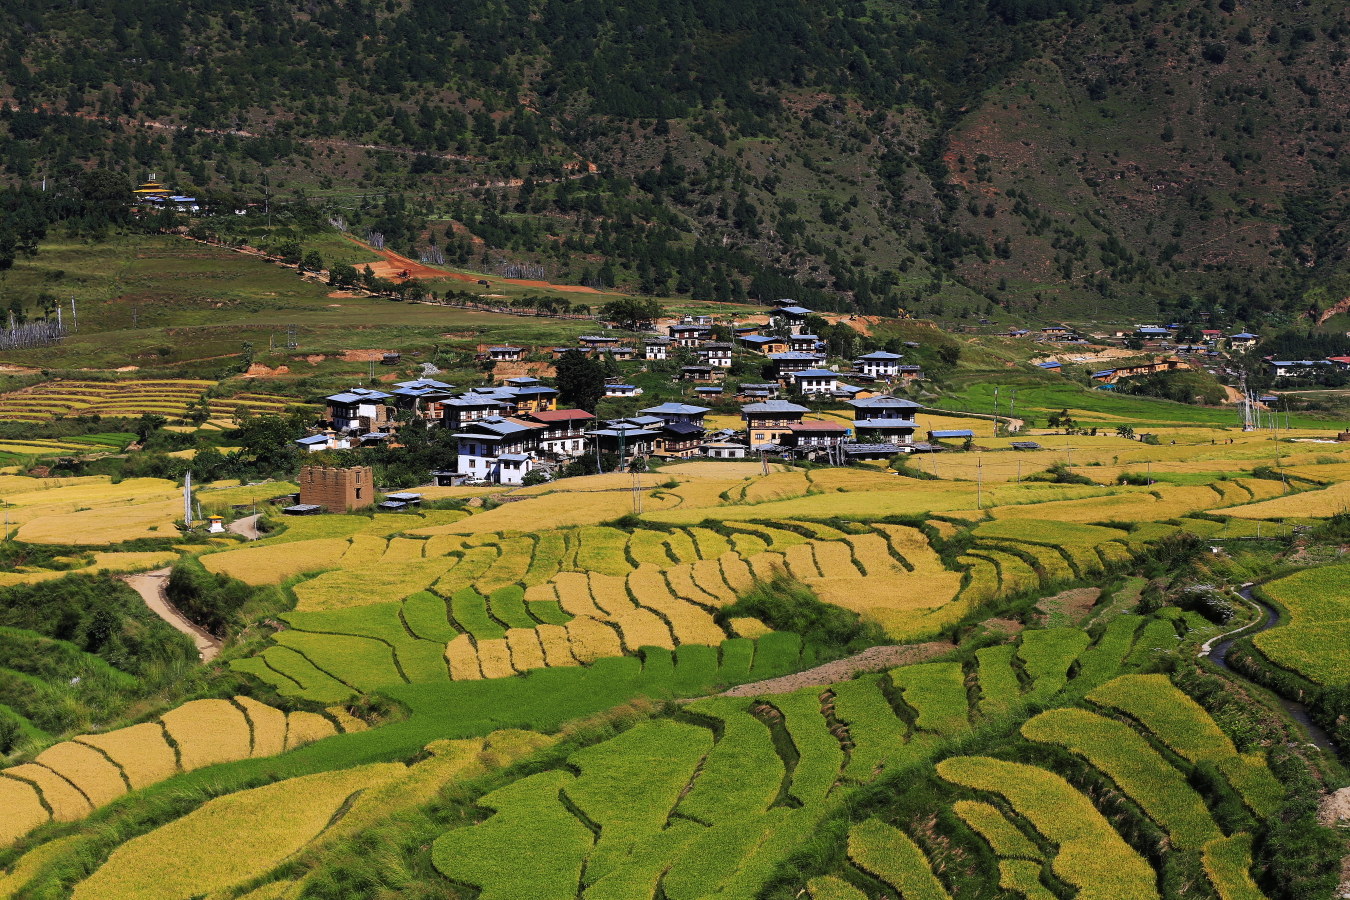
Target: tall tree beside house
631, 312
580, 379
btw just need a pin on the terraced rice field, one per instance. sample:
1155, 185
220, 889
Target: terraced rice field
128, 399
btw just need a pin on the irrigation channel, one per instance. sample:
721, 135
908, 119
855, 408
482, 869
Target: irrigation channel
1296, 711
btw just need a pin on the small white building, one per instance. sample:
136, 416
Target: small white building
724, 450
656, 348
815, 381
879, 364
622, 390
504, 354
715, 354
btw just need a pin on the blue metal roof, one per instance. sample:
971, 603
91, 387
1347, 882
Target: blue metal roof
1048, 364
815, 373
881, 356
773, 406
883, 401
960, 433
681, 409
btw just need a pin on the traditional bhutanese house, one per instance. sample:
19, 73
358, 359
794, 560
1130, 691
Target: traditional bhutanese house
879, 364
803, 343
557, 352
522, 381
785, 364
457, 412
622, 390
1210, 334
890, 417
1242, 340
1295, 368
621, 352
327, 440
741, 331
497, 449
909, 373
702, 320
1162, 365
696, 373
688, 334
624, 439
846, 392
1050, 365
423, 397
708, 392
677, 412
794, 317
362, 408
1104, 376
768, 422
1054, 331
504, 354
766, 391
682, 439
599, 342
564, 432
656, 348
763, 343
1152, 333
716, 354
1340, 362
815, 433
815, 381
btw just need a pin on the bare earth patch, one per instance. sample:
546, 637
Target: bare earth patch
1068, 607
259, 370
1009, 627
364, 355
873, 659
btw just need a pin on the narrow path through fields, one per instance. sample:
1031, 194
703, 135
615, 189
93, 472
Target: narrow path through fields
150, 585
245, 527
873, 659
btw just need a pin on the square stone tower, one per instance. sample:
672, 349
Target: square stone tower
338, 490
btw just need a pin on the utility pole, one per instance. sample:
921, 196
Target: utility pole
979, 482
995, 434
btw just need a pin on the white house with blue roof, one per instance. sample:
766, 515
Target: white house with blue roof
879, 364
890, 417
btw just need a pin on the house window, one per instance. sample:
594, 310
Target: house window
358, 493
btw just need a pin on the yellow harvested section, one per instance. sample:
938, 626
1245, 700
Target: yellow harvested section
494, 657
557, 648
67, 804
141, 751
306, 728
23, 810
230, 839
462, 659
591, 639
643, 628
268, 725
87, 769
526, 653
271, 564
208, 732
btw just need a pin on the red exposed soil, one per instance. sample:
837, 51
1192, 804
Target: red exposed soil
392, 264
364, 355
259, 370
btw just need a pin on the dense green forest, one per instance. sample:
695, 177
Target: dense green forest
1045, 157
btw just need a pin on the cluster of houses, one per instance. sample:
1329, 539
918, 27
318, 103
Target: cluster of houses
1307, 368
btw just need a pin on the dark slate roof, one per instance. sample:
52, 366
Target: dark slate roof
681, 409
683, 428
884, 401
769, 406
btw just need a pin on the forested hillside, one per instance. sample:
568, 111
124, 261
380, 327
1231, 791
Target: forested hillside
1052, 157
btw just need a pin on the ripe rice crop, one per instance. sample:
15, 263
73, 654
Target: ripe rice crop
139, 750
508, 607
835, 560
742, 774
247, 493
937, 691
87, 769
815, 529
827, 887
365, 552
1174, 718
207, 732
548, 552
378, 620
267, 726
313, 684
1046, 655
1014, 575
402, 550
890, 854
777, 539
364, 663
1228, 863
470, 612
710, 544
876, 733
1136, 768
649, 547
231, 839
801, 561
681, 581
590, 640
1003, 837
526, 653
611, 594
776, 486
574, 595
557, 649
66, 803
1048, 559
984, 579
602, 551
643, 628
736, 573
472, 565
1092, 857
462, 659
494, 658
999, 687
510, 567
681, 546
688, 623
707, 575
872, 554
629, 784
1102, 660
747, 627
1023, 877
274, 564
532, 847
1111, 552
1313, 643
307, 528
765, 566
821, 756
306, 728
851, 480
427, 617
747, 545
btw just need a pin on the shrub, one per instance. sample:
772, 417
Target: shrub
785, 604
213, 601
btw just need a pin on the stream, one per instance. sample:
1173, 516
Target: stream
1296, 710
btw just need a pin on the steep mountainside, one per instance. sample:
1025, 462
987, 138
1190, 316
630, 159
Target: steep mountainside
1051, 157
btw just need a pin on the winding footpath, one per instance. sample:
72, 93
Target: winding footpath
150, 585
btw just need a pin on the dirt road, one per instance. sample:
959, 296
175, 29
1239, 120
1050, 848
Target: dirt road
150, 586
245, 527
873, 659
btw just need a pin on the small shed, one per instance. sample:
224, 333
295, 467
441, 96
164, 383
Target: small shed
448, 479
303, 509
392, 506
405, 498
724, 450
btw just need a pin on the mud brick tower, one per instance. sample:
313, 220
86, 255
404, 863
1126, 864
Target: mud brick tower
337, 490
